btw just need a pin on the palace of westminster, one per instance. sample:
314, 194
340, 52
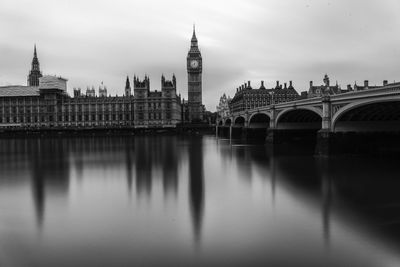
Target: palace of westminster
44, 102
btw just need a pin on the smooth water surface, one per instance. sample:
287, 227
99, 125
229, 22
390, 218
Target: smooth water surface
192, 201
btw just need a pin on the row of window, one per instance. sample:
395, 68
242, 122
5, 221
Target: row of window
60, 109
52, 118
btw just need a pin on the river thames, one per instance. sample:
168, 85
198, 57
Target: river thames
192, 201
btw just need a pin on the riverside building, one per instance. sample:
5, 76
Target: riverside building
248, 98
44, 103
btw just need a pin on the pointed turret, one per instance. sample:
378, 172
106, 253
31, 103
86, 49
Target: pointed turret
35, 60
194, 38
34, 74
194, 47
127, 87
128, 84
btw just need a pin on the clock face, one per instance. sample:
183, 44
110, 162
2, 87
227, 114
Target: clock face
194, 64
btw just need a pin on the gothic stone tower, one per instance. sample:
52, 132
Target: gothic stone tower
34, 74
194, 68
141, 90
127, 87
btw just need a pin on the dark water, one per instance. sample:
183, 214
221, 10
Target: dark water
173, 201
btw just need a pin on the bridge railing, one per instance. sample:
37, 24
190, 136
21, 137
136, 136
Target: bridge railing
390, 89
384, 91
301, 102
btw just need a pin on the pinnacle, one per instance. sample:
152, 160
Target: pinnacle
194, 39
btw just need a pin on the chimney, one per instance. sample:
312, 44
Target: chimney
277, 84
285, 85
262, 83
311, 83
248, 84
385, 82
290, 84
366, 83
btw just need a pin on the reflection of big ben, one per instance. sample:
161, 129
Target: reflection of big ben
194, 68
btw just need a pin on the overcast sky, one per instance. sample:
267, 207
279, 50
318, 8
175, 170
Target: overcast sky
88, 42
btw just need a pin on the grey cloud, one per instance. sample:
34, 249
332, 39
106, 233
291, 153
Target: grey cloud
89, 42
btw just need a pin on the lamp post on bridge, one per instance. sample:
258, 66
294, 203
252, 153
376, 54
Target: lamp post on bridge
272, 98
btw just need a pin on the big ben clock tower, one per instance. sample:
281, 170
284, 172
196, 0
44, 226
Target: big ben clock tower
194, 68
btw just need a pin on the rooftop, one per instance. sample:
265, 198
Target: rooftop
18, 90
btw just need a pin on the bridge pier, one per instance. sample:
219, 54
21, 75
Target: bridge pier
324, 143
270, 139
221, 131
244, 133
280, 136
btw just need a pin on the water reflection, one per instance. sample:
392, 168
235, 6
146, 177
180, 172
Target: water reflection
129, 171
146, 156
196, 186
151, 201
47, 165
327, 197
359, 190
170, 164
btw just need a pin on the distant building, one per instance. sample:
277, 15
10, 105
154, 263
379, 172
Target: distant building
303, 95
157, 108
45, 103
90, 92
223, 106
248, 98
326, 89
367, 86
210, 117
102, 90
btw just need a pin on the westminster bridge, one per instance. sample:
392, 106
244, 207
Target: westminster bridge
358, 121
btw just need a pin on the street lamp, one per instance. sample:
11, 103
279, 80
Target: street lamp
272, 100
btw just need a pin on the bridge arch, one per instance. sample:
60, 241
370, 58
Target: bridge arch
299, 118
228, 122
239, 121
368, 116
259, 120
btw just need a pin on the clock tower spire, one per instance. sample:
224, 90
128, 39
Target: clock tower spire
195, 69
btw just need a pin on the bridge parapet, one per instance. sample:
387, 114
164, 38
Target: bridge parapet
389, 89
329, 108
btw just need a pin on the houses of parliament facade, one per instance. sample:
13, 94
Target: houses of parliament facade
44, 102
